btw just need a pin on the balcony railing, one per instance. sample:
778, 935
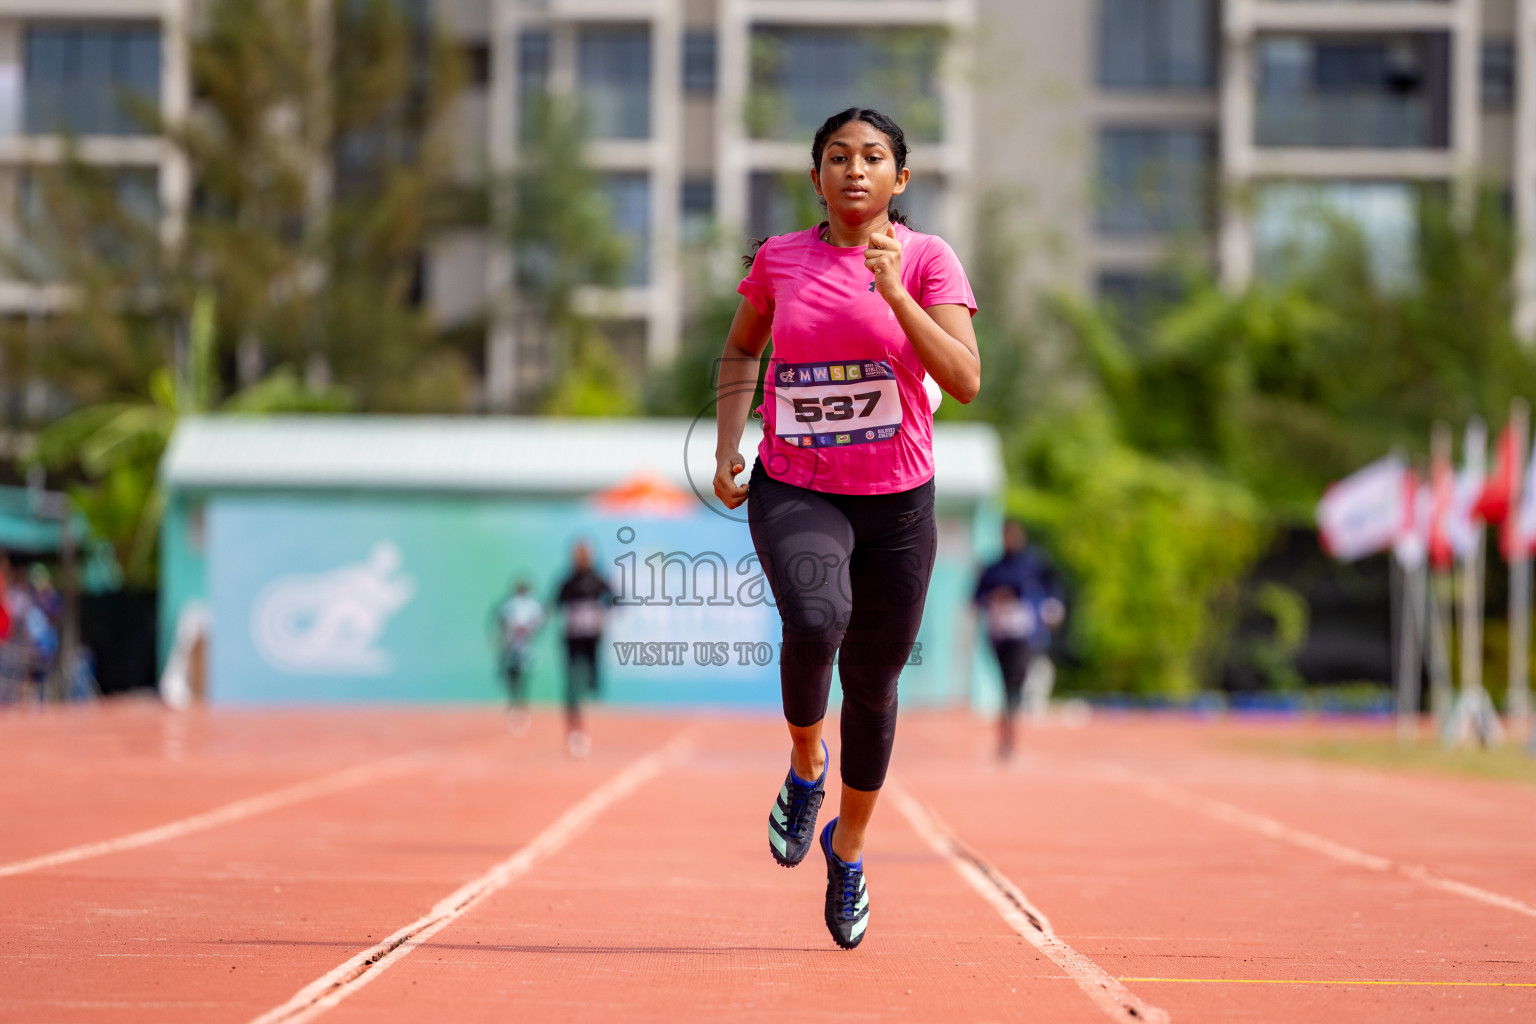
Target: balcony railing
1337, 122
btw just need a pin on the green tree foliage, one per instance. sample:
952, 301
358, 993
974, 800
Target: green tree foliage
891, 69
319, 175
1324, 364
1160, 465
559, 223
117, 446
1155, 550
687, 387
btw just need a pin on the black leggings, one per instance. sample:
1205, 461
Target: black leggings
1013, 659
580, 674
850, 574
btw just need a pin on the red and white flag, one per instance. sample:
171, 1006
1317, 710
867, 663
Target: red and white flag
1363, 514
1463, 526
1499, 489
1412, 544
1442, 489
1520, 535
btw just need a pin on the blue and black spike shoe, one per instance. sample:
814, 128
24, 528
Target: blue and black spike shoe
793, 820
847, 895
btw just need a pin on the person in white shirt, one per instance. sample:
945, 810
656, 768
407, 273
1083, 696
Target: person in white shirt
518, 620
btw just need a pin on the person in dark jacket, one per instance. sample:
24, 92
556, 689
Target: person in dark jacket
584, 597
1020, 599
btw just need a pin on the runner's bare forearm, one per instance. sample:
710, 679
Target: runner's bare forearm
948, 352
740, 363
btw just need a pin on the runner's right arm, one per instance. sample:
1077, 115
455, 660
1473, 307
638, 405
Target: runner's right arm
739, 365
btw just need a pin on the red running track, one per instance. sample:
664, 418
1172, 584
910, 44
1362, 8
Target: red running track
392, 865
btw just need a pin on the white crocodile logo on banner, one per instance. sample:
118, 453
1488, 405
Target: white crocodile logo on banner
329, 623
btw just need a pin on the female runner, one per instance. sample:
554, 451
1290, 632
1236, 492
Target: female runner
864, 314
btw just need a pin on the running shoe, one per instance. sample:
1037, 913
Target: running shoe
578, 743
847, 895
793, 820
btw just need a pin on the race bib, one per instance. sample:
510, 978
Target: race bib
1009, 620
584, 618
828, 405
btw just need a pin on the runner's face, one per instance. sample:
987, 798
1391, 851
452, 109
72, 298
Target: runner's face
858, 175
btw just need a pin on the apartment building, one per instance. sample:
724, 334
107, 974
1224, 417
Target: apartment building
701, 112
1099, 134
67, 67
1213, 124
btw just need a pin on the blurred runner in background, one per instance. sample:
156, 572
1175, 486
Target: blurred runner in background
518, 620
585, 597
1020, 600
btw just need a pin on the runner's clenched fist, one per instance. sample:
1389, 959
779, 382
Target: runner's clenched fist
883, 258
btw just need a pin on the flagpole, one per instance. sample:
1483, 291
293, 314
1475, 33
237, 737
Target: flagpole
1467, 705
1441, 692
1517, 698
1441, 586
1473, 713
1483, 716
1397, 622
1410, 597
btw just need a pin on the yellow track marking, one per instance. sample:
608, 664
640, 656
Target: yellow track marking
1307, 981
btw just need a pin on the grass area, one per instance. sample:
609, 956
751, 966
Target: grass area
1511, 762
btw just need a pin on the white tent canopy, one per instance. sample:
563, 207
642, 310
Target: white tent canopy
499, 455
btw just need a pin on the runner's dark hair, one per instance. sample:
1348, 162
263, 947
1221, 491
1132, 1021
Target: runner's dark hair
875, 120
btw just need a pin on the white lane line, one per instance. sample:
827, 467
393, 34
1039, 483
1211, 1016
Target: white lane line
1107, 993
1265, 826
330, 989
350, 778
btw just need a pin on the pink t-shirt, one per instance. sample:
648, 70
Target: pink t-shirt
844, 407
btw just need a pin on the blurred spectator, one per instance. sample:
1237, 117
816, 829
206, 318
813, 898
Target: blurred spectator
585, 597
1020, 598
518, 620
45, 593
25, 656
5, 605
43, 618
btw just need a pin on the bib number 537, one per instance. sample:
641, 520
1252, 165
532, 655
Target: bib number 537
834, 408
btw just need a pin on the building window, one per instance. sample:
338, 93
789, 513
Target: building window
629, 195
1135, 298
1499, 71
1155, 180
132, 194
699, 63
698, 208
96, 80
1294, 222
613, 71
801, 76
476, 59
1388, 92
1157, 44
534, 47
779, 202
